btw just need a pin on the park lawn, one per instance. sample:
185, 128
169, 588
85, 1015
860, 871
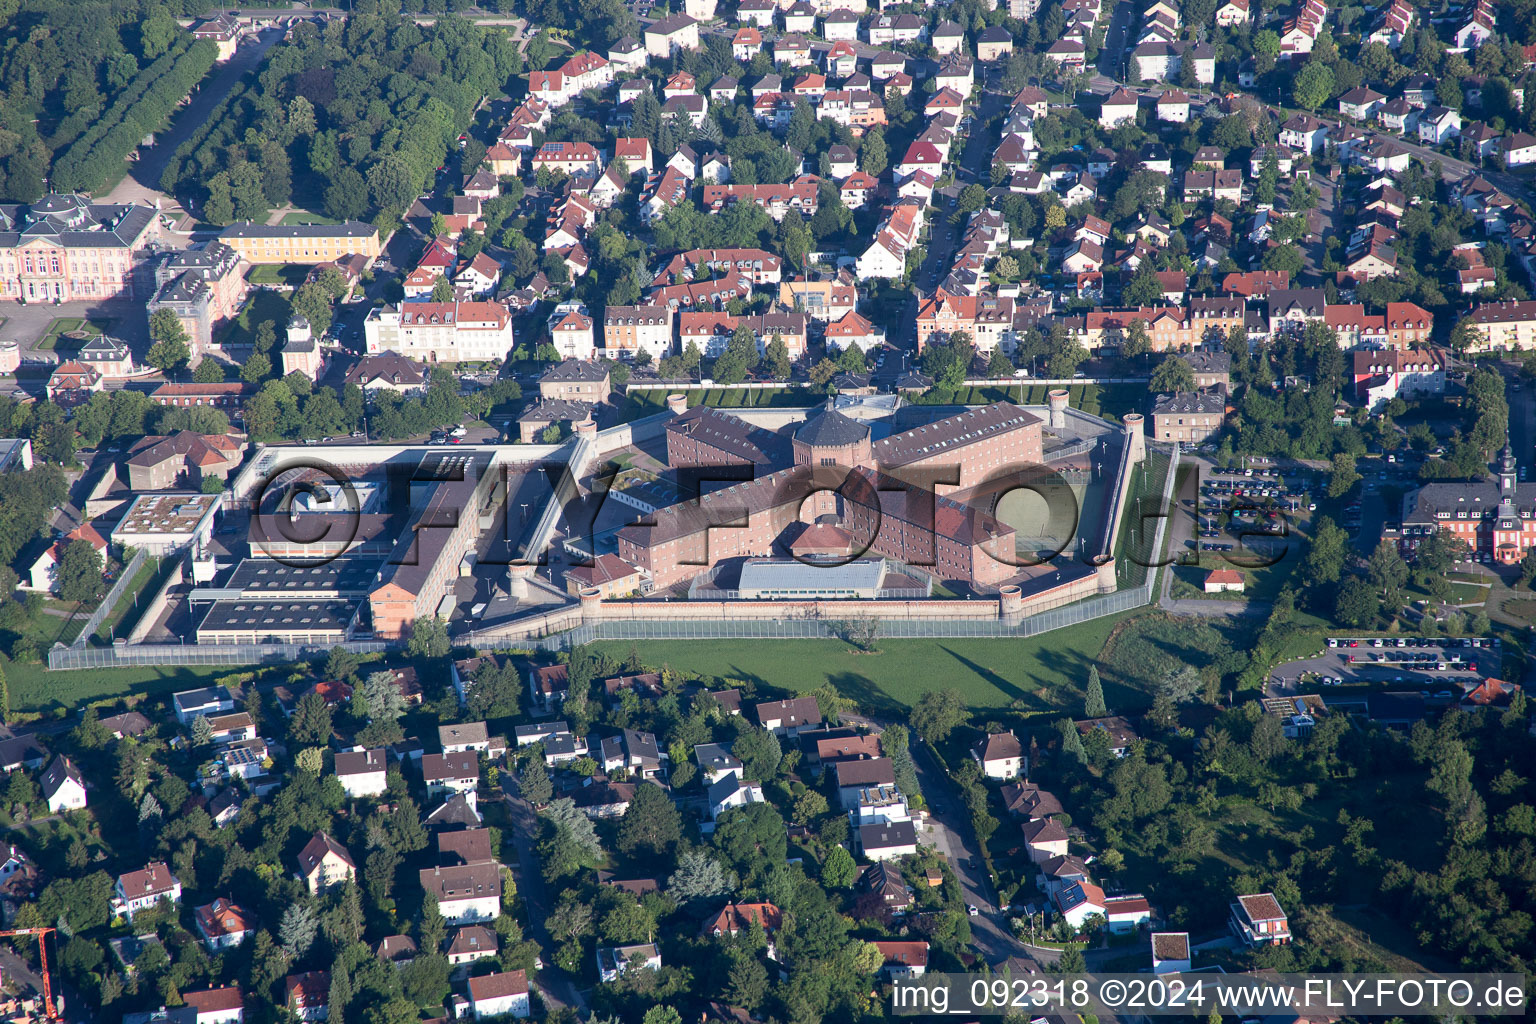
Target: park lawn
297, 217
262, 305
35, 689
62, 325
1045, 673
290, 275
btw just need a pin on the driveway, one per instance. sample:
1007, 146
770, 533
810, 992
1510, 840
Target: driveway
557, 987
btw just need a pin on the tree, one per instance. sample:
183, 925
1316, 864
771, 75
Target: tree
79, 572
874, 156
1387, 569
999, 365
747, 982
202, 731
341, 663
299, 926
570, 822
1357, 604
208, 371
776, 358
381, 697
651, 823
1344, 475
1093, 698
257, 368
938, 713
1313, 85
661, 1015
972, 198
759, 752
839, 870
170, 352
739, 357
533, 782
1071, 741
429, 638
699, 876
442, 289
311, 722
1172, 374
1144, 288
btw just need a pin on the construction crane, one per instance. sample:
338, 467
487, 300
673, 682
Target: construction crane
42, 947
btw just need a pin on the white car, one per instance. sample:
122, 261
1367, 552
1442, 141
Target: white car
972, 911
459, 431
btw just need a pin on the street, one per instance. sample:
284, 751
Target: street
556, 985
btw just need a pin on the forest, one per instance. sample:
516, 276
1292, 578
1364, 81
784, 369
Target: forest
81, 83
354, 119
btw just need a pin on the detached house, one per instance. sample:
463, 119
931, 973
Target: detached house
222, 924
1258, 920
324, 864
140, 890
1000, 755
789, 717
62, 786
503, 994
466, 893
361, 772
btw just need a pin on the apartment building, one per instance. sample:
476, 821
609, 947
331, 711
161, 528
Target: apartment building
441, 332
301, 243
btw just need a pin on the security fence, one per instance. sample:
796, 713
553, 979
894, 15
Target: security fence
124, 579
124, 655
1123, 600
131, 655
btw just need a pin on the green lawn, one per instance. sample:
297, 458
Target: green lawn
61, 325
287, 274
262, 305
112, 626
1043, 673
34, 688
305, 217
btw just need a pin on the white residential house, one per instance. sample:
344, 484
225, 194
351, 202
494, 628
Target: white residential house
1119, 108
63, 787
466, 893
222, 924
731, 791
1170, 953
208, 701
139, 890
615, 961
499, 995
1437, 124
1077, 902
887, 842
1000, 755
361, 772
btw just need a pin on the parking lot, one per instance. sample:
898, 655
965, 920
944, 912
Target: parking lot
1453, 663
1239, 508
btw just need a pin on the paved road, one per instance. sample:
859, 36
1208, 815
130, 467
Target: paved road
557, 986
1116, 36
142, 182
954, 838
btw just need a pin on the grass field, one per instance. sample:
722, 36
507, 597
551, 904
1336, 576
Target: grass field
290, 275
112, 626
62, 325
305, 217
262, 305
34, 688
1043, 673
